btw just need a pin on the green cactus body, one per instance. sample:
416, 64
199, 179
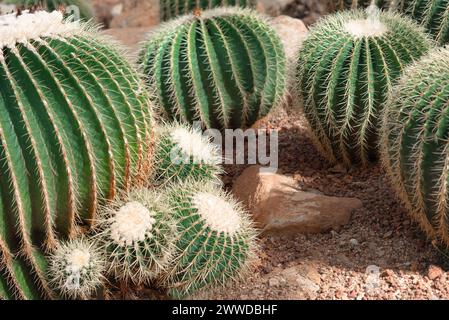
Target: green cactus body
224, 67
215, 239
432, 14
137, 233
173, 8
84, 6
415, 145
74, 130
183, 153
346, 67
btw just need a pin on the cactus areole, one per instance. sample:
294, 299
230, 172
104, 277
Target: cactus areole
346, 68
74, 131
224, 67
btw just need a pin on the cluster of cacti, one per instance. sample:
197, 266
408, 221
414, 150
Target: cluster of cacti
170, 9
346, 68
137, 234
215, 238
415, 142
183, 153
432, 14
224, 67
188, 236
77, 146
74, 130
82, 8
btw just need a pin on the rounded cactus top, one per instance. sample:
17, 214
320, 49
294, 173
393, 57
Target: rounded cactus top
76, 269
369, 23
27, 26
193, 144
132, 223
228, 219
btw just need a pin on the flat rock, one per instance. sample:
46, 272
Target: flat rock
279, 206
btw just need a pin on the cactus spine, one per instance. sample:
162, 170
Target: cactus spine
183, 153
215, 239
432, 14
137, 234
224, 67
415, 142
74, 129
173, 8
347, 65
81, 7
76, 269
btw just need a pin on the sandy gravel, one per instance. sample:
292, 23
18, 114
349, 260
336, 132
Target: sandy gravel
380, 254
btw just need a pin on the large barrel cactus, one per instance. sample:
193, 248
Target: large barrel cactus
170, 9
215, 239
224, 67
74, 131
81, 9
346, 67
432, 14
415, 142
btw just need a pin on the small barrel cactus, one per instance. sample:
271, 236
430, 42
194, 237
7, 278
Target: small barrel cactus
415, 142
432, 14
183, 153
137, 233
215, 240
76, 269
224, 67
75, 129
81, 9
173, 8
346, 68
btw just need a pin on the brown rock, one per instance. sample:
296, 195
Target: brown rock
135, 13
130, 37
434, 272
279, 206
292, 32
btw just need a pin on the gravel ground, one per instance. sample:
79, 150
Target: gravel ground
380, 254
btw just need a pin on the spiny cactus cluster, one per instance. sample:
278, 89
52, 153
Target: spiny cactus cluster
415, 142
347, 66
74, 130
432, 14
224, 67
187, 236
170, 9
81, 7
183, 153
